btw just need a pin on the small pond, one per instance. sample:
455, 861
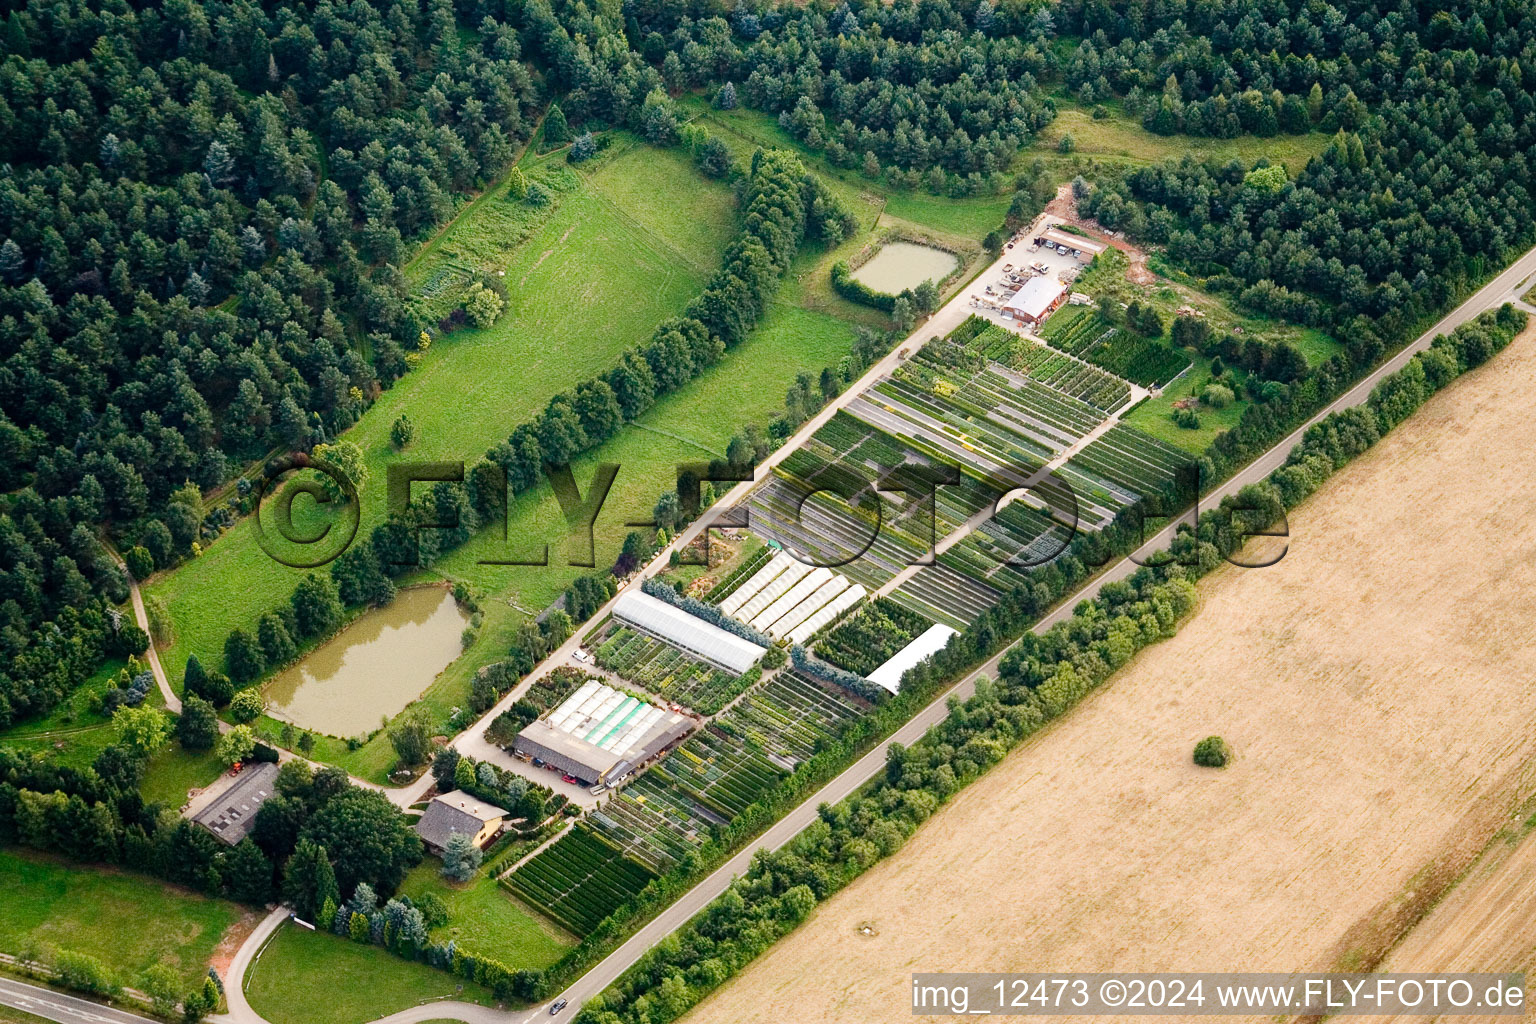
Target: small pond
902, 265
373, 668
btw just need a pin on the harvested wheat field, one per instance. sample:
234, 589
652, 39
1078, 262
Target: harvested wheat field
1487, 923
1377, 688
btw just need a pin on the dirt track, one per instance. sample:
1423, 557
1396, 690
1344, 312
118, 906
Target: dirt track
1377, 687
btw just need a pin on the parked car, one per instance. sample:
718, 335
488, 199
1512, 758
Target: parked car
568, 778
556, 1006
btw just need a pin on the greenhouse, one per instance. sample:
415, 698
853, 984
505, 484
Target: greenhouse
828, 614
689, 633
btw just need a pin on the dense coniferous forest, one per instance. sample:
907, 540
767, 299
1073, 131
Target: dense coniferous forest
931, 87
202, 213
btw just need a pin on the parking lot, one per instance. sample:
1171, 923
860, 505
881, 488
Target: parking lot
988, 292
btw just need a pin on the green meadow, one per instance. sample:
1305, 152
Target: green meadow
588, 282
129, 922
306, 977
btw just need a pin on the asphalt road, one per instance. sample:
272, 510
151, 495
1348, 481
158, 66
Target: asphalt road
43, 1002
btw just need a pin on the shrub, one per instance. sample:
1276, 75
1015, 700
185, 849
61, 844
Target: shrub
1212, 752
775, 658
584, 148
482, 305
1187, 418
246, 705
402, 433
139, 561
1217, 396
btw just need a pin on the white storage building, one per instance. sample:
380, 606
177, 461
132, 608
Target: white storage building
703, 640
929, 641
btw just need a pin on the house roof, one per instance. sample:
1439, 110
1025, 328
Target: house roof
456, 812
1078, 242
1035, 297
231, 816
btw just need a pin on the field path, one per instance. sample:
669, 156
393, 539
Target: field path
172, 702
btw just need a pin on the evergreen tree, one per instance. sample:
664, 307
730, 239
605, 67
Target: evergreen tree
309, 880
556, 131
461, 858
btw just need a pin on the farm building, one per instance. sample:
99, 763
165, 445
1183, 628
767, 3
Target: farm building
1078, 247
458, 813
928, 642
1038, 299
704, 640
231, 816
600, 735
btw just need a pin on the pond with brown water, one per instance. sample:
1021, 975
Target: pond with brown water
372, 669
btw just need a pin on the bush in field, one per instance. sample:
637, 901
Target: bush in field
774, 658
1212, 752
84, 973
1217, 396
482, 305
403, 431
1187, 418
584, 148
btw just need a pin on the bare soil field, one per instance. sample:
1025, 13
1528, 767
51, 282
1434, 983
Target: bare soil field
1376, 686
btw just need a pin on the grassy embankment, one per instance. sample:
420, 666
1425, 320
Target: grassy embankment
127, 921
306, 977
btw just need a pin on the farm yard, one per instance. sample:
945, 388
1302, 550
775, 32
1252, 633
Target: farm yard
915, 461
1383, 730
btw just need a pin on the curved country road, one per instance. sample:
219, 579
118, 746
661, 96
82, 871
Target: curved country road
1508, 286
